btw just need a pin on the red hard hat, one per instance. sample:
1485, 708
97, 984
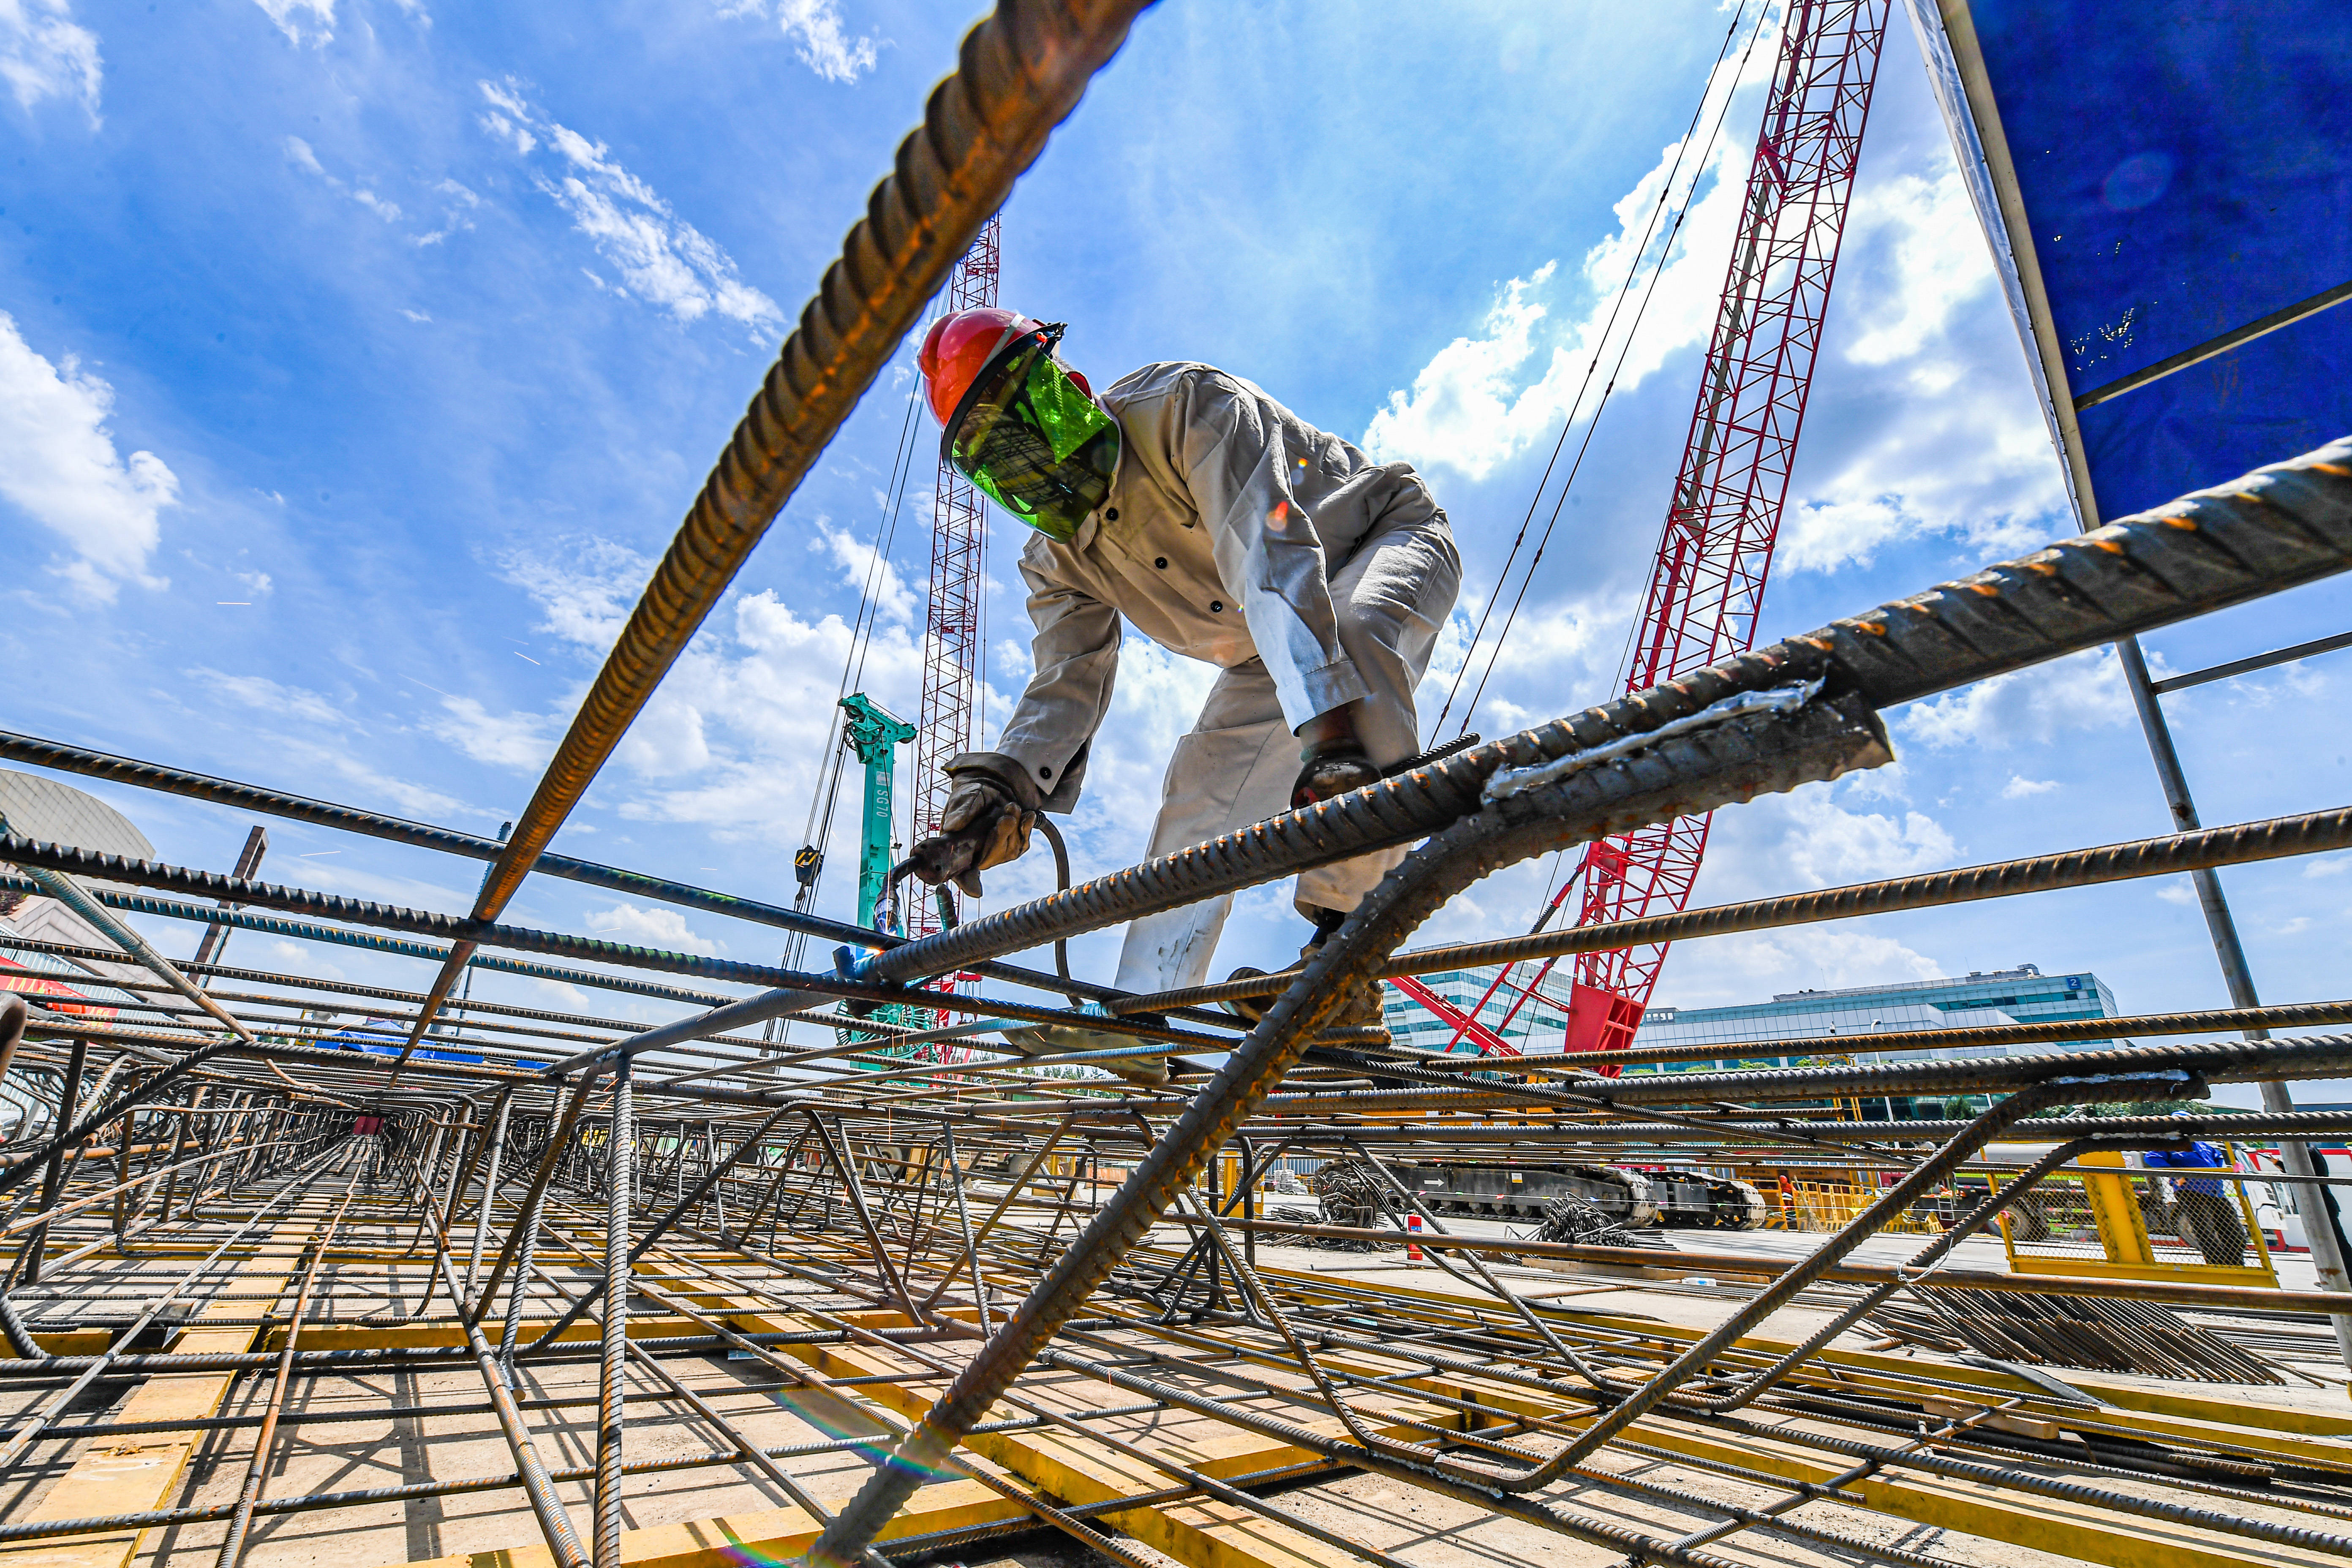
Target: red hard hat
960, 346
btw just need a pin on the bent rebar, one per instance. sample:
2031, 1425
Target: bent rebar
1735, 760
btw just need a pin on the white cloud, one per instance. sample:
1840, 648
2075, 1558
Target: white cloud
417, 315
1912, 269
737, 741
625, 923
255, 583
561, 995
817, 33
1822, 535
309, 22
1463, 411
419, 801
59, 467
1938, 258
2020, 787
457, 216
584, 592
338, 876
1746, 968
661, 257
2061, 697
314, 737
266, 696
1824, 845
893, 599
45, 54
522, 742
293, 958
2330, 866
1914, 263
1551, 650
667, 738
303, 157
1814, 837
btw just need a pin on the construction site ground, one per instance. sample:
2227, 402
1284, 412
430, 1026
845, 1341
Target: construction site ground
690, 1518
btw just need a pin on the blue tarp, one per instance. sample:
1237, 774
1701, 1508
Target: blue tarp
2185, 168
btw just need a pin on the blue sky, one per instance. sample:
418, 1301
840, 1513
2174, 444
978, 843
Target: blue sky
361, 355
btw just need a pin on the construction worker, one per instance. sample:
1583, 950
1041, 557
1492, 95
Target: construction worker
1187, 503
2201, 1212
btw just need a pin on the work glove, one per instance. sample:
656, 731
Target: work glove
983, 825
1335, 768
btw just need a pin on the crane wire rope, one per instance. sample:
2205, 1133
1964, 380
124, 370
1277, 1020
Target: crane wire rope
1551, 899
817, 831
869, 610
1633, 267
1555, 888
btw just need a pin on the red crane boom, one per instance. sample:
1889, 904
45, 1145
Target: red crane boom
1707, 587
951, 701
948, 711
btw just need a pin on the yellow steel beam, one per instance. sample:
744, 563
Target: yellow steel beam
1201, 1532
2186, 1414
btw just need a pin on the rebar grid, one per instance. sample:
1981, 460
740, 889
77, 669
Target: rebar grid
964, 1298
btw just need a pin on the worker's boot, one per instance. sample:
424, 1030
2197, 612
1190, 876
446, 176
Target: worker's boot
1058, 1039
1362, 1007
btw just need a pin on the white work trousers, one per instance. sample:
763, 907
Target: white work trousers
1241, 760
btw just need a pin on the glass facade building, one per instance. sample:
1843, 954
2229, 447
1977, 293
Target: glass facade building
2020, 995
1540, 1025
1832, 1023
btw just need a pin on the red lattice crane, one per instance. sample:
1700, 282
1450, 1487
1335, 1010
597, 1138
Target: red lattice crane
950, 709
1707, 587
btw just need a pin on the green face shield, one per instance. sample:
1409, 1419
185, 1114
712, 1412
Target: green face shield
1033, 439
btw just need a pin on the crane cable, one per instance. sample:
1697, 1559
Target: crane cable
1551, 899
818, 829
1658, 271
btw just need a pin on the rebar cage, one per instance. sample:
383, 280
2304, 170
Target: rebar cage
464, 1279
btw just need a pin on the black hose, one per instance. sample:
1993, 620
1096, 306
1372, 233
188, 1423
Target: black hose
1060, 885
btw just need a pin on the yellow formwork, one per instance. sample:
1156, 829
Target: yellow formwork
135, 1474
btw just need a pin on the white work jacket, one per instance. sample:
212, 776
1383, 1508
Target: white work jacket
1226, 518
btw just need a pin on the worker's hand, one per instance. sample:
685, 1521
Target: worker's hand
982, 825
1332, 760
